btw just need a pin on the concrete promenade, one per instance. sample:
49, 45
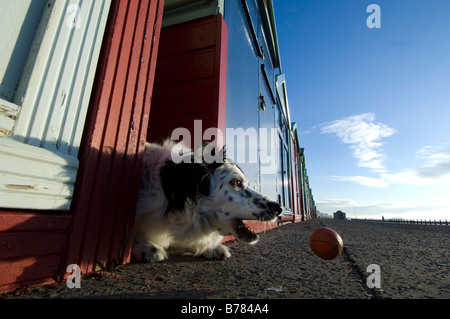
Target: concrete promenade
413, 263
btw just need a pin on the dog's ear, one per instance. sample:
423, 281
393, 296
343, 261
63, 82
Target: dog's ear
183, 180
205, 184
213, 157
223, 153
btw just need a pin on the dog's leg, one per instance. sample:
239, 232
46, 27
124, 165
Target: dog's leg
217, 252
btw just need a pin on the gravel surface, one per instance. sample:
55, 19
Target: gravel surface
413, 260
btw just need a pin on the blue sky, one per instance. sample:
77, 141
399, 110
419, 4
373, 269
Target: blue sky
372, 105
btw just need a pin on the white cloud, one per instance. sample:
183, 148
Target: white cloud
434, 153
416, 210
364, 136
305, 132
426, 175
363, 180
334, 202
435, 172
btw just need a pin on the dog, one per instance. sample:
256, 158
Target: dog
192, 204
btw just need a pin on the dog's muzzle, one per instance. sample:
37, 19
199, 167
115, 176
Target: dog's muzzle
273, 210
269, 211
244, 233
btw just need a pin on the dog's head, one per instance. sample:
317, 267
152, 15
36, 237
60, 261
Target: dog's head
221, 191
234, 201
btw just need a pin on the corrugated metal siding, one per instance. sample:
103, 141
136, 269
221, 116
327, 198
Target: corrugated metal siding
8, 116
58, 89
39, 163
35, 178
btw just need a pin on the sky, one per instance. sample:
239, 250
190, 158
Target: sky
372, 104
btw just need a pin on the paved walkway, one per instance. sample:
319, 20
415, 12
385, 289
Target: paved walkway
412, 261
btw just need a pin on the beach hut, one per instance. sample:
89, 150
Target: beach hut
339, 215
307, 204
76, 89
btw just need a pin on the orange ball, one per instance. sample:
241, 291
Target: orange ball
326, 243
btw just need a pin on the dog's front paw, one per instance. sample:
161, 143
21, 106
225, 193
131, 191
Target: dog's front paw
150, 252
218, 252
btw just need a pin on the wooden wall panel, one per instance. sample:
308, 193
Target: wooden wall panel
190, 80
29, 271
31, 246
202, 101
114, 137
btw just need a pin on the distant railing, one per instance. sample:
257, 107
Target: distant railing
439, 222
419, 221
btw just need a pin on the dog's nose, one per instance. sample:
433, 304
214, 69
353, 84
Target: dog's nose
274, 206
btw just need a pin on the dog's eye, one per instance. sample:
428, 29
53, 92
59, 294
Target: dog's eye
236, 183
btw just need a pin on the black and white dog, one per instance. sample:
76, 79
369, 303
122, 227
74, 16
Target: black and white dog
192, 205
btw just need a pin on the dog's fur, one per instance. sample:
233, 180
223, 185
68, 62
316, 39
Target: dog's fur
193, 205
